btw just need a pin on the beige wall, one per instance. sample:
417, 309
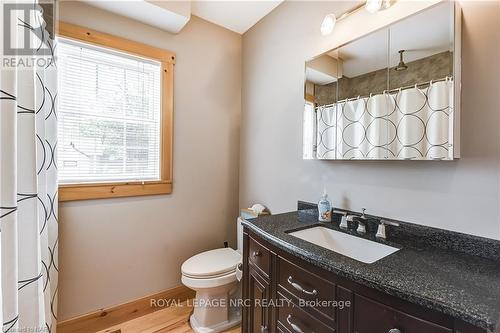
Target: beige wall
113, 251
461, 195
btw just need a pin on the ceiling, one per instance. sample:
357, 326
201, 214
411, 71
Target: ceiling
172, 16
422, 35
238, 16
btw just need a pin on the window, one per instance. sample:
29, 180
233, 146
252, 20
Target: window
115, 116
309, 126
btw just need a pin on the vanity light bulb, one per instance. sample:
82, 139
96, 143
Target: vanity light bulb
373, 6
328, 24
387, 3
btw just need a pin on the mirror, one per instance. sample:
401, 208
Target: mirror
390, 95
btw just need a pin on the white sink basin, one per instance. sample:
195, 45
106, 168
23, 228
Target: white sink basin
353, 247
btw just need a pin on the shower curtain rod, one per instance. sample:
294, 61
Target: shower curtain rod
389, 91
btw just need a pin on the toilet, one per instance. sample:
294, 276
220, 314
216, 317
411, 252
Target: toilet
214, 276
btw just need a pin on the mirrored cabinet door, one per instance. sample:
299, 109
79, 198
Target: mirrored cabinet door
421, 84
362, 106
322, 74
390, 95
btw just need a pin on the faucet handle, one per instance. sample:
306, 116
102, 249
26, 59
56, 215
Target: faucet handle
381, 231
363, 214
381, 228
350, 218
391, 223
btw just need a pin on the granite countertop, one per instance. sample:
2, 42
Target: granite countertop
460, 284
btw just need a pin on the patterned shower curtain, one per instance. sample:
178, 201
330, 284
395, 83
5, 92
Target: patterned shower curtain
28, 174
407, 123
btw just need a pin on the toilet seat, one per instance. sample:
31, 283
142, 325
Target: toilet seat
211, 269
205, 283
211, 264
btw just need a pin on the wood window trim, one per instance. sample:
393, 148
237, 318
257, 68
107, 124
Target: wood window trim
71, 192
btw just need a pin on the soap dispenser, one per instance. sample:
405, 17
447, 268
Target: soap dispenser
324, 208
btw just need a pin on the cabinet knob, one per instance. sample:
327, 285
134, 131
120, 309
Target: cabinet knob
394, 330
257, 253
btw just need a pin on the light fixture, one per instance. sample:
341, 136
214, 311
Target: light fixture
372, 6
328, 24
388, 3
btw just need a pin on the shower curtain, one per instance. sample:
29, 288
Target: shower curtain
28, 182
411, 123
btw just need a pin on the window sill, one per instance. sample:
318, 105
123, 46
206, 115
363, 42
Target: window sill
74, 192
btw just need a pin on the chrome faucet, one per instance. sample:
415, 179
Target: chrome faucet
381, 228
361, 222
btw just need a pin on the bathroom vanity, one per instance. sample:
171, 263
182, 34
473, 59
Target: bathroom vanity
435, 281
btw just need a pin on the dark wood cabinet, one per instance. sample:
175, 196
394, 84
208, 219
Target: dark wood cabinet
294, 319
259, 295
371, 316
306, 288
285, 294
259, 256
345, 314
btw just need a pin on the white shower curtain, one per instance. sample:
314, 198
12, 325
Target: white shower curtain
411, 123
424, 122
28, 188
326, 127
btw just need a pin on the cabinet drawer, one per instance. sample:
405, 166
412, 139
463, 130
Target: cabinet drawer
296, 320
371, 316
306, 286
259, 255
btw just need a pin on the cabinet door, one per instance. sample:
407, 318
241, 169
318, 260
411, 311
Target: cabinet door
345, 313
371, 316
259, 296
462, 327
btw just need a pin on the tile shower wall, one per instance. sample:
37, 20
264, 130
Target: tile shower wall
436, 66
461, 195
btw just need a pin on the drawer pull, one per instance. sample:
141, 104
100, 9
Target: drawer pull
256, 253
295, 327
394, 330
301, 289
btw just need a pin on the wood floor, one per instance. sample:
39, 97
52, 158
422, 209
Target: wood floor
174, 319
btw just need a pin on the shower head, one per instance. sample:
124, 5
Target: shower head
401, 66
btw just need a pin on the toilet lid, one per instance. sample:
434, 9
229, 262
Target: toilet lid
211, 263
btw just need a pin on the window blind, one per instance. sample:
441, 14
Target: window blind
109, 115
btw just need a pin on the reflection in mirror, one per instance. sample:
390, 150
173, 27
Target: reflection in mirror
362, 105
421, 84
322, 74
388, 95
